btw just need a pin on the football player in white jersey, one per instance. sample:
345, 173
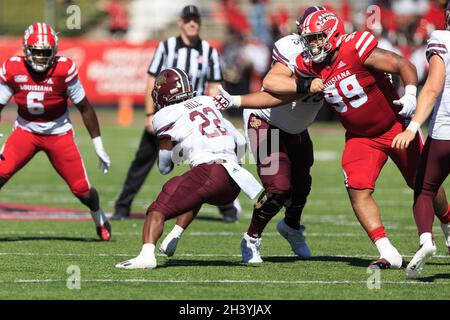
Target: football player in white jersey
281, 145
190, 128
285, 169
435, 159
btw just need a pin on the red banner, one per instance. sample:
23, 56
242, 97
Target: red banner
108, 69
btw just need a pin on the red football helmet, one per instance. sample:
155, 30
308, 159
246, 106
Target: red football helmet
40, 44
320, 34
172, 85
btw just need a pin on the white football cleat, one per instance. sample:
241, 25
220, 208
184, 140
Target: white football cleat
425, 253
138, 263
446, 229
169, 245
250, 249
295, 238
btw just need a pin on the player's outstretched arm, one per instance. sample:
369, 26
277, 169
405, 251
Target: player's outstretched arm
390, 62
425, 103
255, 100
90, 120
280, 80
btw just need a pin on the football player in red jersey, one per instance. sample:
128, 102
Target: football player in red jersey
351, 72
41, 82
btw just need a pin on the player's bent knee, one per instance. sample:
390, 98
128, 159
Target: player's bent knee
359, 183
269, 204
80, 188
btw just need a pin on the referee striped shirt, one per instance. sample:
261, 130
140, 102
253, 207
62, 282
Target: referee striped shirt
201, 61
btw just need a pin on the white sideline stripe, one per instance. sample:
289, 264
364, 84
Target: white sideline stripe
227, 281
188, 255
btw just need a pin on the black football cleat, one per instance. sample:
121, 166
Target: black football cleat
104, 232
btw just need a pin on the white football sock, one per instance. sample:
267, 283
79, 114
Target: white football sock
176, 232
148, 251
425, 237
98, 217
385, 248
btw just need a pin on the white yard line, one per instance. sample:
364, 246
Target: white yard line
227, 281
210, 255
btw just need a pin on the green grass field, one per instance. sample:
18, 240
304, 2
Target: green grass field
35, 255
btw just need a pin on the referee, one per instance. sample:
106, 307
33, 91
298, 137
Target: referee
201, 61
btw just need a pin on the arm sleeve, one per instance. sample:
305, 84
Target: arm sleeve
158, 61
5, 93
214, 69
437, 46
165, 163
75, 91
286, 50
365, 43
72, 74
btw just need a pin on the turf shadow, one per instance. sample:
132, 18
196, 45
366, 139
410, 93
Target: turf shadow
278, 259
356, 262
435, 277
200, 263
352, 261
206, 218
46, 238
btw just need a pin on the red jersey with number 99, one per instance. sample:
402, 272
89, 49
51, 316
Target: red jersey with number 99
39, 97
363, 97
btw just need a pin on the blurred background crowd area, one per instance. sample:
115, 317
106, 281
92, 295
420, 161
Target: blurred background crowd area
243, 31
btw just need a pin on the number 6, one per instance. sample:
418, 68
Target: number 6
33, 106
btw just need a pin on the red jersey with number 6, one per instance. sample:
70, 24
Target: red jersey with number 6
363, 97
39, 97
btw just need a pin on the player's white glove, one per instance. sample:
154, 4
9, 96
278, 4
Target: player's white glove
408, 101
103, 157
224, 100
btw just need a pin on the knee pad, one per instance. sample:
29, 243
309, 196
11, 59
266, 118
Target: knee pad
269, 204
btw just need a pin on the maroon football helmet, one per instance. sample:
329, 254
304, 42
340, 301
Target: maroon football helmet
172, 85
305, 14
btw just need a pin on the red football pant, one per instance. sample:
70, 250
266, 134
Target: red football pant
363, 158
61, 150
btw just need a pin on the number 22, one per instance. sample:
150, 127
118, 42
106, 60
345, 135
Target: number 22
206, 124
